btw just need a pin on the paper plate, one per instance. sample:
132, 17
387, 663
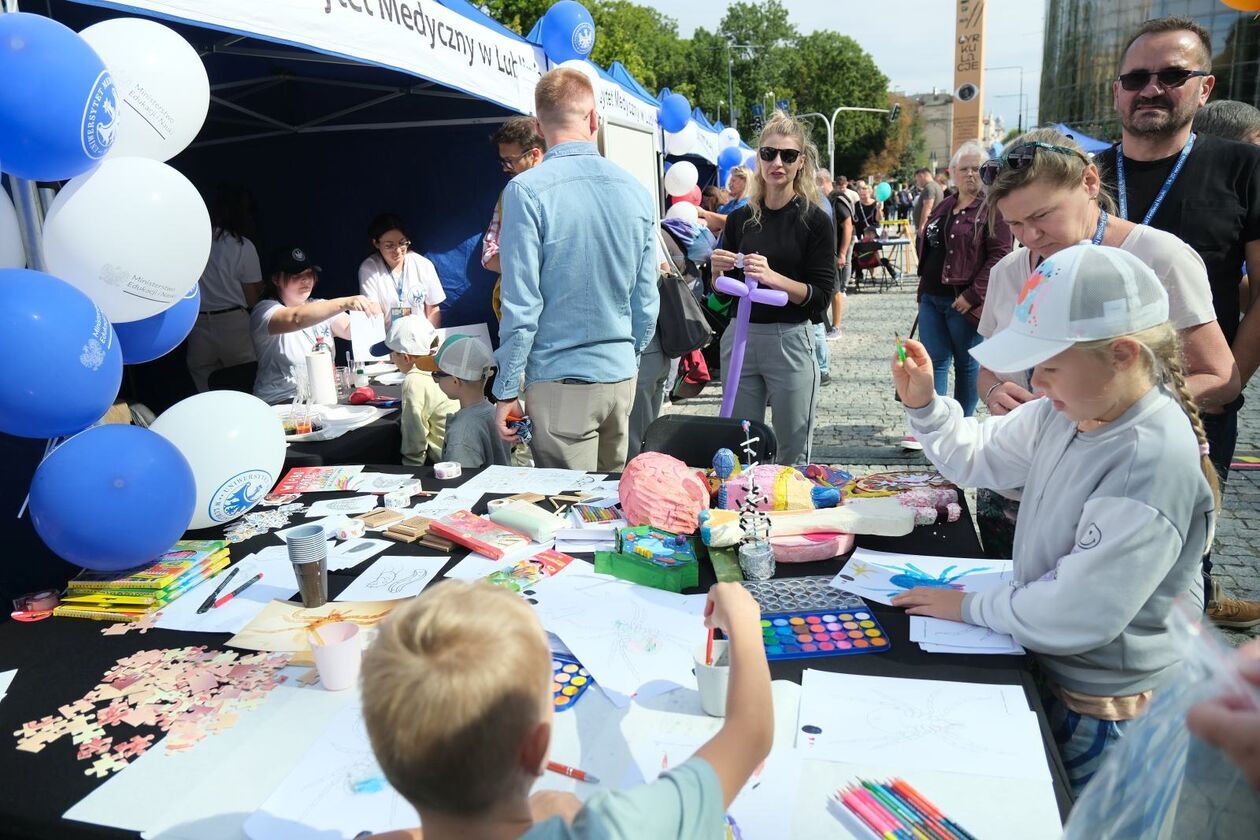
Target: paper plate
395, 378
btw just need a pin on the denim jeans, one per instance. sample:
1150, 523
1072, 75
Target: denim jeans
820, 347
948, 335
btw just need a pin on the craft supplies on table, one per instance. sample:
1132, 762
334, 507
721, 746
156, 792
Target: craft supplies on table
814, 592
807, 634
446, 470
317, 480
528, 519
652, 557
130, 595
569, 681
481, 535
879, 575
894, 808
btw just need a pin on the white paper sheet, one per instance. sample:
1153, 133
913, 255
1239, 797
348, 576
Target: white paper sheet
370, 482
366, 330
928, 724
585, 546
928, 647
879, 575
344, 507
474, 567
447, 501
336, 789
278, 583
207, 792
939, 633
481, 332
633, 639
351, 553
391, 578
6, 679
549, 482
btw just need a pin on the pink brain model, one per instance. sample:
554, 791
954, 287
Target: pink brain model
658, 489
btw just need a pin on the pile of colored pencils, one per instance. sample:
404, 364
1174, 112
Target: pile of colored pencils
895, 811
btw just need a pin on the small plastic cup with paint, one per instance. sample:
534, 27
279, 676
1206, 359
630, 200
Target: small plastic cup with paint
713, 679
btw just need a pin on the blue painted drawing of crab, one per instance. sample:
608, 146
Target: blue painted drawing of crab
909, 576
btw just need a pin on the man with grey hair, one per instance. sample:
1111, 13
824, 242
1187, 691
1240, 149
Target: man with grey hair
1230, 119
1204, 190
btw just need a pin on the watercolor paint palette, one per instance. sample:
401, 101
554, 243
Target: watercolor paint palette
569, 681
806, 634
791, 595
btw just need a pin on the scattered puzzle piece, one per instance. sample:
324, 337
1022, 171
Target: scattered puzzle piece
136, 746
104, 765
96, 746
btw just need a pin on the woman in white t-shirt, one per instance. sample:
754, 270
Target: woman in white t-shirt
399, 280
1050, 195
288, 323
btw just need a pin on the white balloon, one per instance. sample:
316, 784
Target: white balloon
234, 443
681, 178
133, 235
163, 89
684, 210
587, 69
681, 142
12, 254
728, 137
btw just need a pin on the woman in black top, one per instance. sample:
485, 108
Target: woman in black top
787, 242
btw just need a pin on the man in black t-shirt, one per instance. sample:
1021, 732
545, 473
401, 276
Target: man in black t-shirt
1204, 190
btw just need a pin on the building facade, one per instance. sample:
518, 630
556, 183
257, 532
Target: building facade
1083, 44
936, 110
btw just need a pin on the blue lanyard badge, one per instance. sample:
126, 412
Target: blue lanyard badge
1163, 191
1102, 227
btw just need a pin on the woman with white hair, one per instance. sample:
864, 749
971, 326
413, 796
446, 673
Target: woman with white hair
957, 249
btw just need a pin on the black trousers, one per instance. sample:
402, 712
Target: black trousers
1222, 435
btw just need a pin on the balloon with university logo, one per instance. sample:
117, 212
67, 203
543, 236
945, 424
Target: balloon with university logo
58, 105
162, 86
234, 443
133, 234
568, 31
153, 337
113, 497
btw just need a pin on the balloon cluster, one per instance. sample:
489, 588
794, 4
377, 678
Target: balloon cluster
124, 243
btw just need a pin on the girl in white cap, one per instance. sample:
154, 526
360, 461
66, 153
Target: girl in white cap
1119, 495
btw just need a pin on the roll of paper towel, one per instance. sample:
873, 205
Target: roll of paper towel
323, 377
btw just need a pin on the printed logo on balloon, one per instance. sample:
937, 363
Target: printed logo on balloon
238, 494
584, 38
93, 354
100, 117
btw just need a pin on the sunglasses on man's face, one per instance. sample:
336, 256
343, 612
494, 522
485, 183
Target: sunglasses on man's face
1169, 77
788, 156
1020, 157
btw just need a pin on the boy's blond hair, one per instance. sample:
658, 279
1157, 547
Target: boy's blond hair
452, 686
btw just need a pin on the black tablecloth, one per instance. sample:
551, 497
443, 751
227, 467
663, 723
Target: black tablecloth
61, 659
379, 442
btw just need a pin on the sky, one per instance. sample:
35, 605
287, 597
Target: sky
913, 57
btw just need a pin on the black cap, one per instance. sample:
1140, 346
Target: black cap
291, 261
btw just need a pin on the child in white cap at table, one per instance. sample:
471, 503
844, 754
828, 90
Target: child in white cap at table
410, 344
464, 365
1120, 498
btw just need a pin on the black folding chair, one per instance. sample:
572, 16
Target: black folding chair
693, 439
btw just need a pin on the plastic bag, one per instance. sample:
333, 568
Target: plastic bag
1160, 781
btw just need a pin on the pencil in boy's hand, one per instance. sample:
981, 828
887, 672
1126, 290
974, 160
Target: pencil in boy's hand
901, 348
571, 772
708, 649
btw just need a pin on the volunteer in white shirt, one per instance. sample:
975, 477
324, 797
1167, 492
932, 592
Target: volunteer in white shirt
289, 323
231, 282
400, 281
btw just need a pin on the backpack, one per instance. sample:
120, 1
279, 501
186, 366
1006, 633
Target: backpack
681, 323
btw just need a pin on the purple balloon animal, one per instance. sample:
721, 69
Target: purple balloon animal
748, 294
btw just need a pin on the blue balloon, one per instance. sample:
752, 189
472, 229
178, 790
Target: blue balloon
112, 498
730, 156
724, 176
64, 364
675, 111
58, 105
153, 337
568, 31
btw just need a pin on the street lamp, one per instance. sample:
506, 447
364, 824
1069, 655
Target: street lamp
893, 113
1020, 118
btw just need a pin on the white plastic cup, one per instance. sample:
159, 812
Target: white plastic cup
338, 658
712, 680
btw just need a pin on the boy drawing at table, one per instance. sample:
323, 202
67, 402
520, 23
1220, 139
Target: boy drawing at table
464, 365
460, 721
1113, 462
410, 344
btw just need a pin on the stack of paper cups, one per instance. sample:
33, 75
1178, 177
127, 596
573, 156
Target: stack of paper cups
323, 377
308, 552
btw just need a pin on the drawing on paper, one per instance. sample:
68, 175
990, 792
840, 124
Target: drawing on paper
397, 580
907, 576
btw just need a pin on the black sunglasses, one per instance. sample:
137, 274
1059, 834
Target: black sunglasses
1019, 158
769, 153
1169, 77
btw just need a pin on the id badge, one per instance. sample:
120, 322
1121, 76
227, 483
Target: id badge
399, 312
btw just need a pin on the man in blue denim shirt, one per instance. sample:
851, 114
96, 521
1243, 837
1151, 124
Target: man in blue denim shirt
579, 288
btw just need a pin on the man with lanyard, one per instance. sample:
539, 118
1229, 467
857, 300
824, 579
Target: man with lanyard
1201, 188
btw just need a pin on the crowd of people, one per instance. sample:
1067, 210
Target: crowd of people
1093, 305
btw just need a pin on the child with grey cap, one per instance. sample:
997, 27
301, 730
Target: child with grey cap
464, 364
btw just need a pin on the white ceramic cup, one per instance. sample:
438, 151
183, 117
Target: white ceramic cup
712, 679
338, 658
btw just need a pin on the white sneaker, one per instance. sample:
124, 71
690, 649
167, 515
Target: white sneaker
909, 444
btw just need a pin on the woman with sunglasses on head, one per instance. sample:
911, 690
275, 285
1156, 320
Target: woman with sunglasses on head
956, 253
1050, 195
787, 243
400, 281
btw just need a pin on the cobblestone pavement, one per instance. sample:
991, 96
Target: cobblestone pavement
859, 427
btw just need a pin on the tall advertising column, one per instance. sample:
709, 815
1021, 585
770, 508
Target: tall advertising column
968, 71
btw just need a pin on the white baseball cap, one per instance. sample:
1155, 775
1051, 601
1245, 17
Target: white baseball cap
414, 335
1085, 292
465, 357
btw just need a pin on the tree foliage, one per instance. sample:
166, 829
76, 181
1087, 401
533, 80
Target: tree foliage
768, 60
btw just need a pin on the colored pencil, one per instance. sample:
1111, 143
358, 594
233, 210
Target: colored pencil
572, 772
898, 830
209, 602
868, 815
889, 800
930, 824
238, 590
901, 349
708, 649
903, 787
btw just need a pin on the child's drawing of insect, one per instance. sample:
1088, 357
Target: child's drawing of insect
909, 576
